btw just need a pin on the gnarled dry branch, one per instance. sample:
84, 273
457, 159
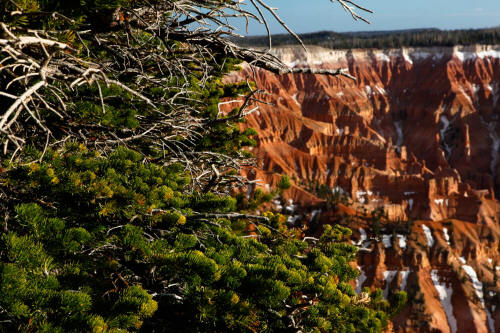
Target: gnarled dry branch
157, 45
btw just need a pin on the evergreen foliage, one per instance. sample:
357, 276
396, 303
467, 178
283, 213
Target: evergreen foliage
284, 183
124, 231
117, 216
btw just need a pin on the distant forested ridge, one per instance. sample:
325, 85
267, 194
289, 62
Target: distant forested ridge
383, 39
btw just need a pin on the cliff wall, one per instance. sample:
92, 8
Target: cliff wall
416, 136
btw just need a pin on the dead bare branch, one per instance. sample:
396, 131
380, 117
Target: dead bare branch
154, 53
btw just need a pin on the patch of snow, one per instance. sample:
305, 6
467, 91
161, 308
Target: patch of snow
497, 268
290, 208
459, 55
386, 239
494, 147
317, 63
402, 241
362, 236
360, 196
314, 213
340, 94
278, 205
475, 90
420, 55
410, 203
445, 294
407, 58
338, 189
293, 219
363, 244
478, 286
340, 131
446, 235
437, 56
439, 201
490, 261
409, 193
399, 131
294, 97
442, 132
489, 54
381, 90
360, 280
388, 277
428, 235
382, 57
404, 279
368, 90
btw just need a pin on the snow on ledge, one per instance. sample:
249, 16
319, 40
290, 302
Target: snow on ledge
402, 241
388, 277
478, 286
362, 236
428, 235
386, 239
445, 294
314, 213
382, 57
404, 279
446, 235
410, 203
361, 196
360, 280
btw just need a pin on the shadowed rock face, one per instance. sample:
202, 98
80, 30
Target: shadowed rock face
416, 136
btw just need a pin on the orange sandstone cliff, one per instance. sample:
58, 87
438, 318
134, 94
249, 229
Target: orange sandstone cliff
416, 137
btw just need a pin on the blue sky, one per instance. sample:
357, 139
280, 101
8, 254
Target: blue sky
315, 15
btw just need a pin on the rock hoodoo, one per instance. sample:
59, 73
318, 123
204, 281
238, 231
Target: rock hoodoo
415, 137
